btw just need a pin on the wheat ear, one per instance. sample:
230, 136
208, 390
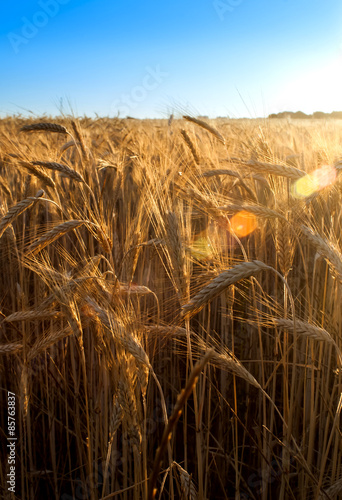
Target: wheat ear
188, 488
206, 126
18, 209
39, 173
60, 167
120, 334
332, 491
304, 329
219, 171
10, 348
282, 170
80, 139
176, 251
331, 254
257, 210
191, 146
227, 361
54, 234
48, 340
221, 282
32, 315
46, 127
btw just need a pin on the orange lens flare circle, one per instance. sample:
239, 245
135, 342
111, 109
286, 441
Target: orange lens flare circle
243, 223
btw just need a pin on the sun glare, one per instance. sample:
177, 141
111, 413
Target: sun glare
243, 223
315, 90
311, 183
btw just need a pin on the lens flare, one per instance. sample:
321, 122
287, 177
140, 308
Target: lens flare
243, 223
201, 249
311, 183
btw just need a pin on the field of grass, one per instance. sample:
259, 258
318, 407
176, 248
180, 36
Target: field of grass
171, 308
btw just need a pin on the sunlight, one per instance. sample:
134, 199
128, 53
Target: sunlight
243, 223
201, 248
316, 90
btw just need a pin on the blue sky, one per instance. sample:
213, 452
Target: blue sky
149, 58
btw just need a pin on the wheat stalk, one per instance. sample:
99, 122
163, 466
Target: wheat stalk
177, 411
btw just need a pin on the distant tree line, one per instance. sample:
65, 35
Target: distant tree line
301, 115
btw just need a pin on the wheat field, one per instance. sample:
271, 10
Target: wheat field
171, 308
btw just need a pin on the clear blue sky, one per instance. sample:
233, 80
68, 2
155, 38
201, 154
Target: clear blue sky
147, 58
